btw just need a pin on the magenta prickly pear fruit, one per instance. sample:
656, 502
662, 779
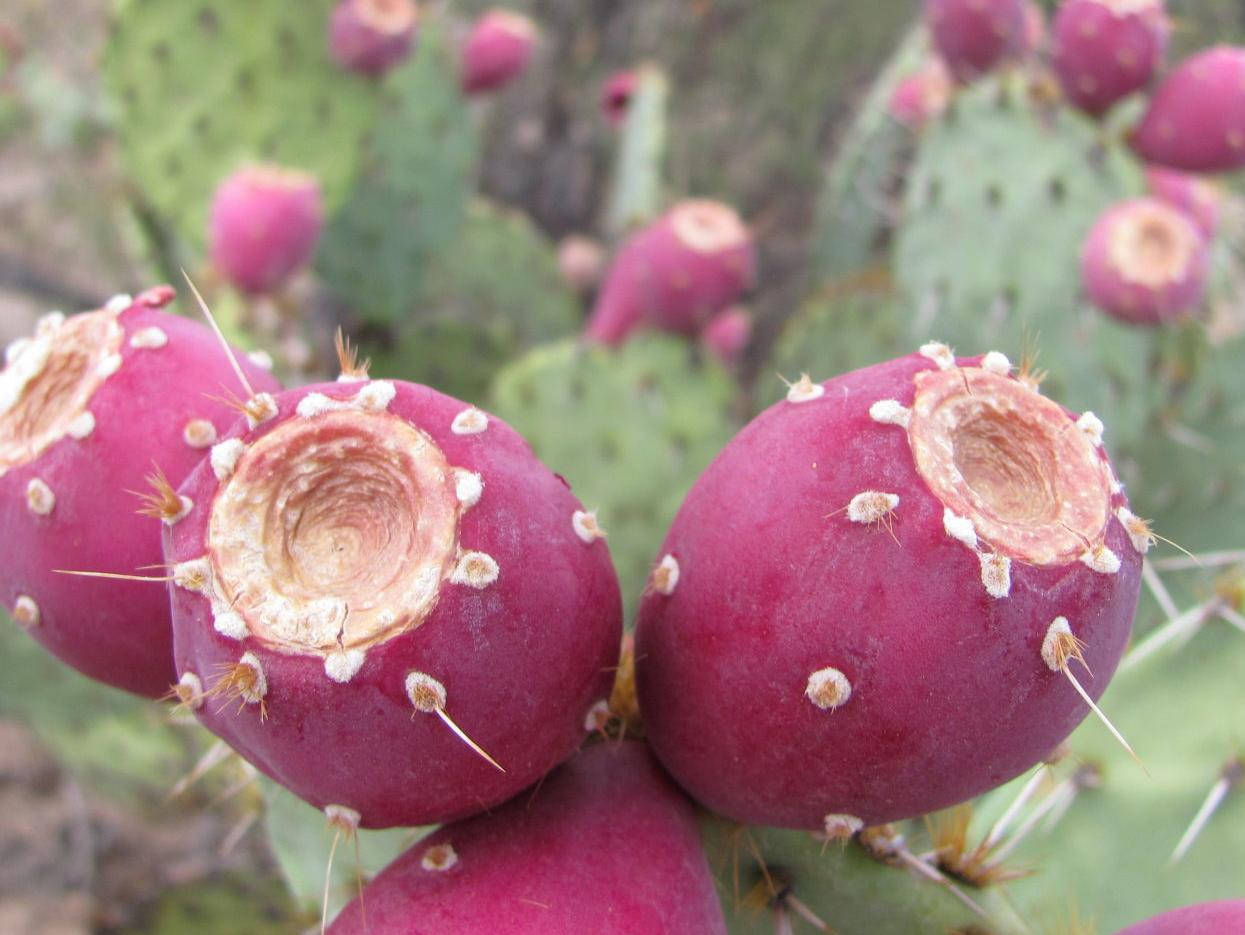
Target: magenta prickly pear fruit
866, 607
921, 96
616, 96
264, 225
90, 407
1196, 196
604, 845
1196, 117
1145, 262
1104, 50
403, 615
727, 334
496, 51
1035, 34
372, 36
1216, 918
973, 36
676, 273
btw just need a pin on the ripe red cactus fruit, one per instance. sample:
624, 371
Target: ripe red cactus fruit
1145, 262
90, 406
264, 224
1214, 918
372, 36
727, 334
873, 602
1196, 117
973, 36
1104, 50
497, 51
384, 601
921, 96
616, 96
604, 845
676, 273
1198, 197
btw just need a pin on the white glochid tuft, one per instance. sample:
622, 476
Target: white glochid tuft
1058, 634
426, 694
470, 421
376, 395
39, 497
1101, 559
939, 353
189, 691
996, 362
996, 573
959, 528
225, 457
343, 665
871, 506
199, 433
468, 487
828, 688
804, 390
119, 303
439, 857
666, 575
586, 526
1092, 426
841, 827
26, 612
475, 569
230, 624
82, 426
890, 412
151, 338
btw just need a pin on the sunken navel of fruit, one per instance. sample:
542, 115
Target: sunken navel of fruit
874, 602
385, 602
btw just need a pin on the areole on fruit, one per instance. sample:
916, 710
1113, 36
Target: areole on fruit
373, 553
869, 637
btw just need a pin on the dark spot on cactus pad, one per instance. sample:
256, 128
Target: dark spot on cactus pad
209, 22
933, 192
160, 52
1058, 190
994, 196
608, 447
245, 81
173, 164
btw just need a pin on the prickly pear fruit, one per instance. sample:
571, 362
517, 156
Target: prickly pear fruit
1035, 32
866, 607
676, 273
1216, 918
1196, 117
921, 96
973, 36
1196, 196
372, 36
616, 96
1104, 50
727, 334
496, 51
264, 225
604, 845
1145, 262
89, 408
405, 616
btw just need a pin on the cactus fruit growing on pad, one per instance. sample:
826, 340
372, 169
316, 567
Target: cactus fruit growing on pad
868, 604
384, 601
604, 845
89, 407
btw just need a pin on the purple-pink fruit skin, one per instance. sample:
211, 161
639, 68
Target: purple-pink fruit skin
1196, 117
522, 661
616, 97
657, 279
264, 225
1194, 195
496, 52
950, 695
1102, 54
604, 845
921, 96
117, 632
358, 45
1110, 290
1226, 917
973, 36
727, 334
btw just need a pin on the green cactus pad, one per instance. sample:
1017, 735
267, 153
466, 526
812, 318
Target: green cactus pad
1000, 198
490, 294
630, 429
204, 88
411, 193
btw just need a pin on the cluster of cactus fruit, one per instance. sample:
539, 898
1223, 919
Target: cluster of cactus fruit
892, 591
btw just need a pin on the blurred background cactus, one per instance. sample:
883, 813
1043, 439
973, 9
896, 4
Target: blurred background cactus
960, 215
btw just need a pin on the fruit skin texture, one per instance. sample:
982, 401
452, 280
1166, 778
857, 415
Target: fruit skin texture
372, 36
604, 845
727, 334
117, 631
949, 693
1102, 54
1128, 284
264, 225
496, 51
666, 277
973, 36
1214, 918
521, 660
1194, 195
1196, 117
